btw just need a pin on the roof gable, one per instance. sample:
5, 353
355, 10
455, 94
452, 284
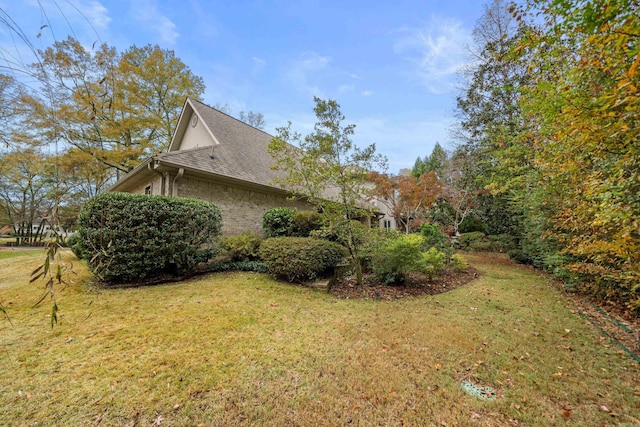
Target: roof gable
235, 149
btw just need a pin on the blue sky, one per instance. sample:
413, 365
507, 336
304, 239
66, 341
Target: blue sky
391, 65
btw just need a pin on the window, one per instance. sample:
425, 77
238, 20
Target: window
147, 189
387, 224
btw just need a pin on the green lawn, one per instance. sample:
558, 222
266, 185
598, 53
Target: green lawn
242, 349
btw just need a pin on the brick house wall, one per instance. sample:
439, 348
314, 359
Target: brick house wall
242, 208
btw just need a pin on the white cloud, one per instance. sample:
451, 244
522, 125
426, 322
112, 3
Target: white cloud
367, 93
148, 13
95, 12
304, 72
437, 51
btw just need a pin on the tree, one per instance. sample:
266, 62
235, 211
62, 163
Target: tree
585, 105
26, 185
10, 94
330, 171
116, 108
431, 163
252, 119
406, 196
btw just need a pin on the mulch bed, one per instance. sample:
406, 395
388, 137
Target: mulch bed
417, 285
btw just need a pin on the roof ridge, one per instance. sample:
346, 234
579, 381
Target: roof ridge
229, 115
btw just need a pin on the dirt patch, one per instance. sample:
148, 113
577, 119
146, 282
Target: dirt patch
417, 285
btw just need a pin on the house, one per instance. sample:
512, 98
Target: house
217, 158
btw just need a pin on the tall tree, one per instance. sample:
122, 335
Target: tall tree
586, 110
26, 187
330, 171
116, 108
491, 123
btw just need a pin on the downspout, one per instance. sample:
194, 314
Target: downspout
177, 178
162, 179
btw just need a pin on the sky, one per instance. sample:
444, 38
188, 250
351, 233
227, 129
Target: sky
391, 65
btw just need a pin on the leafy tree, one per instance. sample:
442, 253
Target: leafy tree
26, 185
330, 171
116, 108
585, 105
491, 123
406, 196
10, 94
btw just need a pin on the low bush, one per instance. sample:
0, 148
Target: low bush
300, 258
432, 261
434, 237
130, 237
403, 255
467, 239
277, 222
304, 223
243, 247
482, 245
458, 263
520, 257
375, 239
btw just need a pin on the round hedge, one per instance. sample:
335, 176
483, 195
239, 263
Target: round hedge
129, 237
300, 258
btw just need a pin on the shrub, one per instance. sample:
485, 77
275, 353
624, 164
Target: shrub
300, 258
483, 245
243, 247
434, 237
404, 255
131, 237
458, 263
305, 222
74, 242
466, 239
520, 257
431, 262
374, 240
503, 242
277, 222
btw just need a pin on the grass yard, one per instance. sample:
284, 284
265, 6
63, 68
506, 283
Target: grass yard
242, 349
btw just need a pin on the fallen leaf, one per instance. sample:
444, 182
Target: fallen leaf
566, 414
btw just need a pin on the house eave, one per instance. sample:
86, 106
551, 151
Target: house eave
131, 176
165, 166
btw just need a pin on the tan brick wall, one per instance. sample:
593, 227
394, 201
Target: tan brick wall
242, 208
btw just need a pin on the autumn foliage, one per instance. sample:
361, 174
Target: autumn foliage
405, 195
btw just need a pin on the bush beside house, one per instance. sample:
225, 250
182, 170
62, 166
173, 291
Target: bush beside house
300, 258
131, 237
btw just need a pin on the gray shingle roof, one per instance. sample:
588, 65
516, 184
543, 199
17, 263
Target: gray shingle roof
241, 153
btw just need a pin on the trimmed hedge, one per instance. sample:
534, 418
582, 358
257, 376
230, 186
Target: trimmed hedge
130, 237
277, 222
300, 258
243, 247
